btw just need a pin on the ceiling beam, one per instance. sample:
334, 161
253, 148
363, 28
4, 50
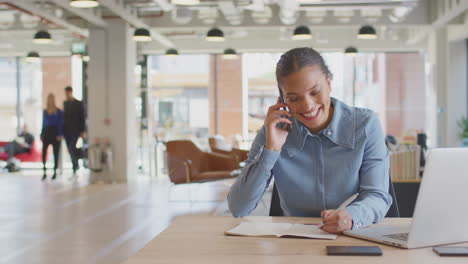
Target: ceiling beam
132, 19
165, 5
31, 8
84, 14
417, 35
416, 17
458, 32
257, 5
446, 11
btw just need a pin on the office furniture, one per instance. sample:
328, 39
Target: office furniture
406, 192
34, 155
201, 240
219, 145
275, 204
187, 163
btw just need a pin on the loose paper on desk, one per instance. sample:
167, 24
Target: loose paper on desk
267, 229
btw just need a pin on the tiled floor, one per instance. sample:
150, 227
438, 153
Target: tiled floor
69, 221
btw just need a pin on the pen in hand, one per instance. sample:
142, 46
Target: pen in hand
341, 207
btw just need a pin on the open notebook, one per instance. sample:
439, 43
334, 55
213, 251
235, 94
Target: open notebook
265, 229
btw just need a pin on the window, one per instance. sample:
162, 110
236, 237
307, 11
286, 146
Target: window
30, 85
180, 97
262, 87
8, 89
391, 84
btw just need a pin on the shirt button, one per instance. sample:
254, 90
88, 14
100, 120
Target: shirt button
329, 132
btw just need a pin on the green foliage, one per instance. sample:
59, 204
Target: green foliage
463, 125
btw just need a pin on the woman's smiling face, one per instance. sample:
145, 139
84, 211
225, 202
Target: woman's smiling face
307, 94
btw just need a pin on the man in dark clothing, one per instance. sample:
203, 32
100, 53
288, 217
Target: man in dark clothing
21, 144
73, 124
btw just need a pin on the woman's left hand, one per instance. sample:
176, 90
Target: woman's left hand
339, 222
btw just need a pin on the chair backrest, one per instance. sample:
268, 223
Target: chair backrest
184, 150
219, 142
275, 206
393, 210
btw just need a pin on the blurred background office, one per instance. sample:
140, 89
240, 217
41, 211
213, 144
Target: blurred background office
200, 73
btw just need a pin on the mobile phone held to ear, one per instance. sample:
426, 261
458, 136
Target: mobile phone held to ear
282, 99
283, 125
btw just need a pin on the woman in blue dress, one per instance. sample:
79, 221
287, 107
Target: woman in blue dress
52, 133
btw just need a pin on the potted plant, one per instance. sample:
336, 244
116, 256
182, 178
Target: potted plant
463, 125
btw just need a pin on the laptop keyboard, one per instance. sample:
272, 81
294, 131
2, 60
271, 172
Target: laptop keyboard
401, 236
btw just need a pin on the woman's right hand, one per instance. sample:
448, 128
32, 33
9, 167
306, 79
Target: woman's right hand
276, 136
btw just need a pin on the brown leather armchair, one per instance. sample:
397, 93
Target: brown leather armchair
187, 163
219, 145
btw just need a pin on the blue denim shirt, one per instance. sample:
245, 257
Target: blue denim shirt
315, 172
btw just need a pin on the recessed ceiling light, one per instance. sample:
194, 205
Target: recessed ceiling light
367, 32
351, 51
42, 37
230, 54
172, 52
215, 34
84, 3
185, 2
142, 34
302, 33
33, 56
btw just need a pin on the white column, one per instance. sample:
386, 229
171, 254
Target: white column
449, 68
457, 90
111, 96
438, 59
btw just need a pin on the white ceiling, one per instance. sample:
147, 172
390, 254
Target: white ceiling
249, 25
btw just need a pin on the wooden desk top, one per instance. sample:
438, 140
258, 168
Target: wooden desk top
201, 239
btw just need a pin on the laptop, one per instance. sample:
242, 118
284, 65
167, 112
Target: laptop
441, 213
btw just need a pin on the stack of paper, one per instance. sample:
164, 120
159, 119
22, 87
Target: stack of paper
262, 229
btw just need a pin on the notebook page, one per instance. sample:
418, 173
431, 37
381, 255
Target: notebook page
259, 229
279, 229
311, 231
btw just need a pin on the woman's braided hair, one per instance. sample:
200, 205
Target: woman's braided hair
297, 58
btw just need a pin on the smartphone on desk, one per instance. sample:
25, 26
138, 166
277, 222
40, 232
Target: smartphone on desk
282, 100
451, 251
354, 251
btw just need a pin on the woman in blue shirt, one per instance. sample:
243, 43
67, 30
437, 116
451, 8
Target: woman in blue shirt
327, 152
52, 133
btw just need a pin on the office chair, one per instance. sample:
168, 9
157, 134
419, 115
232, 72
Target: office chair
187, 163
275, 206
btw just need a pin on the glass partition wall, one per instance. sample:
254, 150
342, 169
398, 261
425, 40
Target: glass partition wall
20, 103
391, 84
180, 97
198, 96
24, 88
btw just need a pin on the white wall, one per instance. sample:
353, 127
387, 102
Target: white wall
438, 60
448, 79
456, 90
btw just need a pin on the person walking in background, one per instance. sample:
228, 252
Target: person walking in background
73, 124
52, 132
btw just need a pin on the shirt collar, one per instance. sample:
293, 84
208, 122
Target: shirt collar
340, 130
